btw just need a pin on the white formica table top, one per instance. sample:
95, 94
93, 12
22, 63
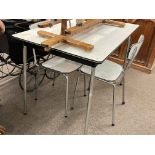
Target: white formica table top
105, 39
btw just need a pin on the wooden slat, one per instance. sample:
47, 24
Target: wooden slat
54, 39
45, 24
46, 34
114, 23
49, 23
73, 42
88, 24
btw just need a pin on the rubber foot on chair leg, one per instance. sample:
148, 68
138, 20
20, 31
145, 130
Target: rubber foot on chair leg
25, 113
35, 99
72, 108
85, 95
113, 124
66, 116
123, 102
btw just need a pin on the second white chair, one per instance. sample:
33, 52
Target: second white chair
64, 67
113, 73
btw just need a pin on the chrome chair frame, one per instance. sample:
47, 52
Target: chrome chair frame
131, 53
66, 75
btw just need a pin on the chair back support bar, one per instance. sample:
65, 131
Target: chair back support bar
133, 51
131, 54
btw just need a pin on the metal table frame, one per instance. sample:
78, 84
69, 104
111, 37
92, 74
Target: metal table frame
86, 62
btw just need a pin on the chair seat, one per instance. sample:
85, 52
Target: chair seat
61, 65
108, 71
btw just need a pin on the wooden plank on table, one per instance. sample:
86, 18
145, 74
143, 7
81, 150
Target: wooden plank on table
114, 23
45, 24
54, 39
46, 34
49, 23
73, 42
85, 26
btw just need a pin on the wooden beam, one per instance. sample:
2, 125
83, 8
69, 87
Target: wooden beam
48, 23
46, 34
54, 39
45, 24
85, 26
114, 23
63, 26
73, 42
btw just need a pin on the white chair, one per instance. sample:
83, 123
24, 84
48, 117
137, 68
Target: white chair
64, 67
113, 73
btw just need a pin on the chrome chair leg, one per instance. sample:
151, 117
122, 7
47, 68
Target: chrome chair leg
84, 76
113, 107
123, 91
89, 85
77, 81
36, 83
36, 88
25, 78
53, 79
66, 100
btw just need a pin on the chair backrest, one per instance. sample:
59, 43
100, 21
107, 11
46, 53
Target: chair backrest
133, 51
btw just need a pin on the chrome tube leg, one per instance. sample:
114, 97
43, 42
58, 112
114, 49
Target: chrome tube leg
35, 77
89, 84
127, 50
36, 88
84, 76
113, 107
66, 100
24, 81
77, 81
123, 91
89, 99
53, 79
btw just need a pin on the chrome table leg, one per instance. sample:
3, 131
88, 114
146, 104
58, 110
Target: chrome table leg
84, 84
36, 87
66, 100
89, 99
24, 81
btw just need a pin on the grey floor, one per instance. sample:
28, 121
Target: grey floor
46, 116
